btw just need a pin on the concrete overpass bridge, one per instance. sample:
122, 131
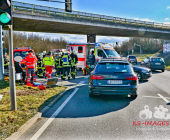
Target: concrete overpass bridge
36, 18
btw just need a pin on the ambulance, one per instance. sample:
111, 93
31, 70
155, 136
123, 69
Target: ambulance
22, 51
102, 50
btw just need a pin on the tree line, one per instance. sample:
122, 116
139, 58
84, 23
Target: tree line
36, 42
148, 46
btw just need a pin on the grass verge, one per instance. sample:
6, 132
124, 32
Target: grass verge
29, 102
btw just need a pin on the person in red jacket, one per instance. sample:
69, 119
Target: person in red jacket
30, 62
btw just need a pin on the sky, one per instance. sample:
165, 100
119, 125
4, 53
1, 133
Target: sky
146, 10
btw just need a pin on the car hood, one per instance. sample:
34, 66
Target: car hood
140, 68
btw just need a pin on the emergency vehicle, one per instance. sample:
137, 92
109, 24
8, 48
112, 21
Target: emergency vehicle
102, 50
22, 51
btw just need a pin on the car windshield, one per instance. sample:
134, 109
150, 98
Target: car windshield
20, 53
111, 67
111, 53
157, 60
132, 57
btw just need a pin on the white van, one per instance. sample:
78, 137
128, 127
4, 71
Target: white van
102, 50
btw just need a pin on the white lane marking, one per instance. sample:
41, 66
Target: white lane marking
47, 123
81, 82
151, 96
163, 98
86, 77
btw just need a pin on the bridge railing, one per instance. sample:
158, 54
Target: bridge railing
57, 11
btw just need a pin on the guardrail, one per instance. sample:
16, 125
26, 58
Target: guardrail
57, 11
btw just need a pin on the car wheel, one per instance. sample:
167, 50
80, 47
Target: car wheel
139, 76
134, 96
91, 95
163, 70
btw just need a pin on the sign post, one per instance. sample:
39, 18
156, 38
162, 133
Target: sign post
11, 72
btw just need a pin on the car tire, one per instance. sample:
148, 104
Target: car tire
139, 75
91, 95
134, 96
163, 70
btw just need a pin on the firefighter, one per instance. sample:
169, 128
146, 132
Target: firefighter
74, 59
40, 72
59, 66
66, 65
48, 62
30, 63
6, 61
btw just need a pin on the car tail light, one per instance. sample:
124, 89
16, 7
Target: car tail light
97, 77
131, 78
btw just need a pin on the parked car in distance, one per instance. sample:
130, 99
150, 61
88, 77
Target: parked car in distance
114, 77
132, 59
156, 63
145, 62
142, 72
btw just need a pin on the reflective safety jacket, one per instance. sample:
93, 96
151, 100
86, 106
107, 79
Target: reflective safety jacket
48, 60
66, 61
30, 61
59, 62
6, 61
74, 59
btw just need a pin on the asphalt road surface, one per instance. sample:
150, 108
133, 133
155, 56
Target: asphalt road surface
76, 116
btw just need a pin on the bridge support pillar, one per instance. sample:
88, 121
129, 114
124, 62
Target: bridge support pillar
91, 38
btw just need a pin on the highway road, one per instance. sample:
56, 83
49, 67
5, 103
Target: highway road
76, 116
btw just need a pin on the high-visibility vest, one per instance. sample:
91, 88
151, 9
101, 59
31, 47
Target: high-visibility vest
30, 61
66, 61
48, 61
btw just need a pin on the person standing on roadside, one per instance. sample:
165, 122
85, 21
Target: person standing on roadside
49, 63
66, 65
74, 59
59, 66
92, 61
30, 63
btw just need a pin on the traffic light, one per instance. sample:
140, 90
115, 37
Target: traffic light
116, 43
91, 38
68, 5
5, 12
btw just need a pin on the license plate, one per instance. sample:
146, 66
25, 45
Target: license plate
157, 63
114, 82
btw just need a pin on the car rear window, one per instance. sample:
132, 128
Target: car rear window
111, 67
132, 56
157, 59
